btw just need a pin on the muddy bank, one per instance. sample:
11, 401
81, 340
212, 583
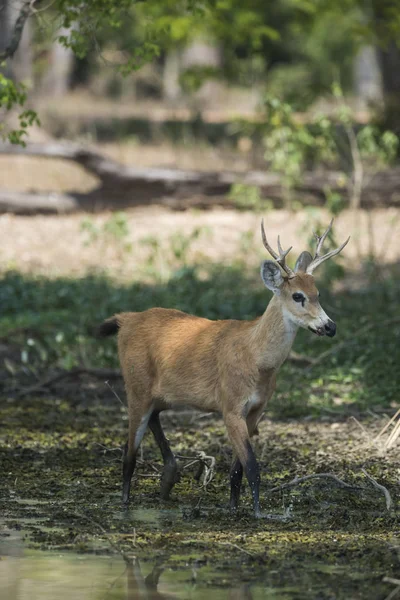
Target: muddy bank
60, 461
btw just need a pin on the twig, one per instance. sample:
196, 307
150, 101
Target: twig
110, 373
115, 394
361, 426
393, 436
201, 543
396, 590
379, 487
391, 580
387, 425
128, 559
300, 359
208, 463
298, 480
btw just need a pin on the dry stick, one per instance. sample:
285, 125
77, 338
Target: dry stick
201, 543
201, 458
298, 480
386, 426
78, 371
361, 426
345, 343
125, 556
396, 590
300, 359
393, 593
391, 580
393, 436
115, 394
379, 487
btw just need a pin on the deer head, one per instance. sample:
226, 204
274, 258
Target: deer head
296, 290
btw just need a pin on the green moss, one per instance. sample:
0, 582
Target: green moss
62, 485
60, 454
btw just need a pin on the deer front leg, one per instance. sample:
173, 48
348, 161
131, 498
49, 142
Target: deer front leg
239, 436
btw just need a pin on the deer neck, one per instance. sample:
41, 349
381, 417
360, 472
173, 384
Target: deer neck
274, 334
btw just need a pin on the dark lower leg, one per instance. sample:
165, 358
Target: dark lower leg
169, 476
128, 467
239, 436
236, 481
253, 476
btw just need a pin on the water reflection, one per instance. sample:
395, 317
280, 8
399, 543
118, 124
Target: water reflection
32, 575
139, 587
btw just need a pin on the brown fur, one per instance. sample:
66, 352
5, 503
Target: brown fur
170, 358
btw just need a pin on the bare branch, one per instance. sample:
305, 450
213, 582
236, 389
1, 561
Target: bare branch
126, 557
298, 480
204, 543
396, 590
381, 488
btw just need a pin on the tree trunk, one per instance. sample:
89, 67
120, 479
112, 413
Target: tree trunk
389, 61
367, 77
202, 53
171, 87
5, 35
61, 62
390, 69
21, 63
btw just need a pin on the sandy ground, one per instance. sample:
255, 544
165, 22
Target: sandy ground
57, 245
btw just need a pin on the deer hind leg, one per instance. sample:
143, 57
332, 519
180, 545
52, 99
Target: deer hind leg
236, 476
170, 473
139, 415
239, 432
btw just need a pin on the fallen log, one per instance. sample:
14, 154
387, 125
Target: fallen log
122, 186
32, 203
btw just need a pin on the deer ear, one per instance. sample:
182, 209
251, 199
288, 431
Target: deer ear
271, 275
302, 262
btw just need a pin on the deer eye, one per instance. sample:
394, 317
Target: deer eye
298, 297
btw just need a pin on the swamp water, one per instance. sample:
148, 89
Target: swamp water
63, 534
187, 570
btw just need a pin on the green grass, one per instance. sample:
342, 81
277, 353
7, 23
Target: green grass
59, 316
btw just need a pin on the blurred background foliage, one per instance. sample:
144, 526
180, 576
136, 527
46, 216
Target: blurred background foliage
295, 86
294, 50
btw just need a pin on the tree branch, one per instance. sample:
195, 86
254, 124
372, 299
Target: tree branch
380, 488
298, 480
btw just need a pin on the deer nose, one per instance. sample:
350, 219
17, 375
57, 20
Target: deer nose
330, 328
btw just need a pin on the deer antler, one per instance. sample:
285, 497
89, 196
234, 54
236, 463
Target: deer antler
317, 260
280, 258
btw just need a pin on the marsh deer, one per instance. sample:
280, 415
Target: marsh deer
171, 358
